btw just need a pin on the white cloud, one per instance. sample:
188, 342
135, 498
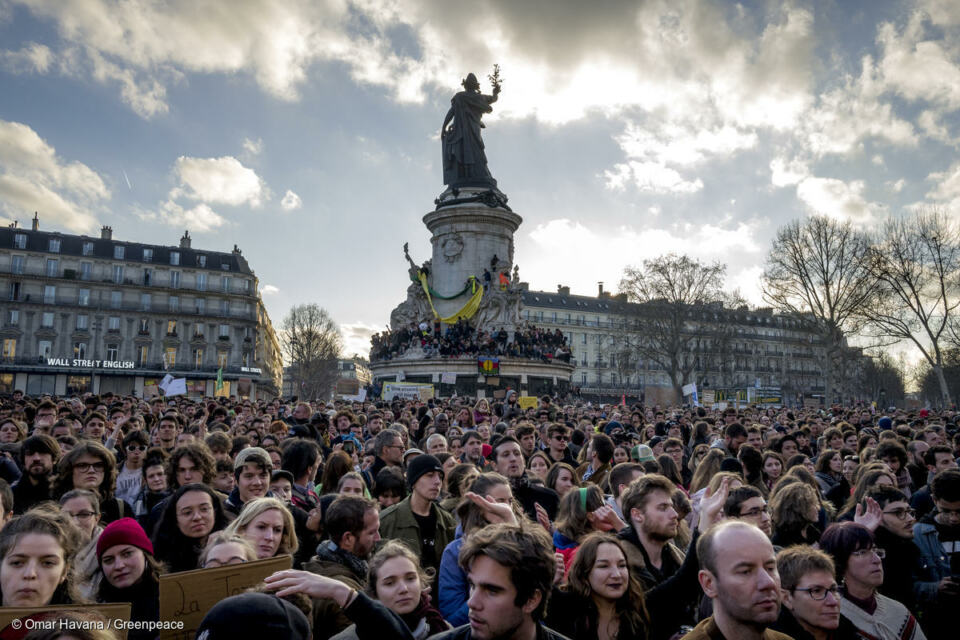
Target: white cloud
33, 178
269, 290
896, 186
200, 218
839, 199
650, 176
610, 250
784, 173
356, 337
290, 201
32, 58
218, 180
946, 190
252, 147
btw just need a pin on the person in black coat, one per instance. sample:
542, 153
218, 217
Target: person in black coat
130, 573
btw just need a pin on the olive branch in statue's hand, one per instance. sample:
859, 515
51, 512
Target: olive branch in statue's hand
495, 80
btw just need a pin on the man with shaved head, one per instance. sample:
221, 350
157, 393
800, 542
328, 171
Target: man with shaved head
738, 571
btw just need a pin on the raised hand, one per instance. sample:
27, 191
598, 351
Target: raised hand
711, 506
543, 518
871, 517
606, 519
493, 512
310, 584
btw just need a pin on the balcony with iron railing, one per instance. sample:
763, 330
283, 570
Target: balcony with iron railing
109, 306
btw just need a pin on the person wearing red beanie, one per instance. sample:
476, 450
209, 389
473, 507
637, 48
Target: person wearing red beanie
130, 572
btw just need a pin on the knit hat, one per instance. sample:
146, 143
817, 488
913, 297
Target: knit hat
254, 615
885, 423
241, 458
642, 453
613, 424
123, 531
421, 465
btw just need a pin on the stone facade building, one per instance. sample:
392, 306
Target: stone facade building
767, 356
91, 314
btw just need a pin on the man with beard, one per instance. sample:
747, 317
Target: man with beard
353, 524
39, 455
654, 559
473, 449
739, 573
509, 462
937, 536
417, 520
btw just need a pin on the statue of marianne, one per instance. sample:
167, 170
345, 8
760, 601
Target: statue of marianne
464, 160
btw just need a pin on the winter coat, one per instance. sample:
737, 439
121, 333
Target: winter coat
397, 523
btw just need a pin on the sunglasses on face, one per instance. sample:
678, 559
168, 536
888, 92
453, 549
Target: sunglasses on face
136, 447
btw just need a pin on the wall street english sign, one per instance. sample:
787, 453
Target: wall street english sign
78, 363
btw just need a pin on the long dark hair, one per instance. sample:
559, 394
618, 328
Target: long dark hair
47, 522
64, 480
631, 608
152, 571
169, 543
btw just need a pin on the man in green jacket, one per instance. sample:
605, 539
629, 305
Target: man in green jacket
417, 520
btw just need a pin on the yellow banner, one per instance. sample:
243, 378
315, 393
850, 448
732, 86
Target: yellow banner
527, 402
466, 312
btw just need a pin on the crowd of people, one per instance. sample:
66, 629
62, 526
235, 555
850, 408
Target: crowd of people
461, 339
484, 520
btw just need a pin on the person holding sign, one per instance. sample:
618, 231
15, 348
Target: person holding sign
193, 513
35, 554
130, 573
268, 525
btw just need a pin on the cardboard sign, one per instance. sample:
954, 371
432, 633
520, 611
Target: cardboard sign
17, 622
188, 596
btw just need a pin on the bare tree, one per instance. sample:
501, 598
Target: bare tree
884, 380
679, 318
916, 261
312, 344
817, 271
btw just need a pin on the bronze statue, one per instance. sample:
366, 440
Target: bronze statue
464, 159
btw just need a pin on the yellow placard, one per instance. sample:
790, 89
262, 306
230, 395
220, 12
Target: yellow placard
528, 402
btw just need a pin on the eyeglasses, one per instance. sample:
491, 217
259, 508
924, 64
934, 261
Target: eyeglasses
901, 514
756, 512
561, 438
820, 593
81, 515
136, 447
89, 466
877, 551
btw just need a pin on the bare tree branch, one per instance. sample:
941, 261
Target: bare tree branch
312, 344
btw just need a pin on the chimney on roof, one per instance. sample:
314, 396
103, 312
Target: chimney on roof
236, 250
599, 289
563, 290
185, 240
106, 233
36, 221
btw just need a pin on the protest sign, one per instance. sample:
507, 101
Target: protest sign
403, 390
448, 377
187, 596
17, 622
528, 402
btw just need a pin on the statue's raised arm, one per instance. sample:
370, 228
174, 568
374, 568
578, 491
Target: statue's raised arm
464, 158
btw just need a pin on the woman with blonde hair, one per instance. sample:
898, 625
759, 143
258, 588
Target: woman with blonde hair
708, 467
397, 580
481, 411
269, 527
225, 549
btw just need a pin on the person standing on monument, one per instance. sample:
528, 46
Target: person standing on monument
464, 159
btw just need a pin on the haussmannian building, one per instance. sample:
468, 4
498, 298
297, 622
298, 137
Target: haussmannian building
83, 314
769, 358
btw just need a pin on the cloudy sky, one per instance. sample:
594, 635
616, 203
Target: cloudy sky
306, 132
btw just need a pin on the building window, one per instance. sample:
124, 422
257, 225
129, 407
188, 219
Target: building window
118, 273
54, 245
88, 248
86, 270
197, 358
113, 324
225, 280
225, 266
113, 352
175, 303
148, 255
147, 277
20, 241
224, 307
83, 298
49, 294
584, 336
174, 258
145, 302
80, 350
202, 260
116, 299
171, 327
13, 317
44, 348
83, 322
198, 330
224, 333
16, 265
53, 267
46, 320
14, 291
222, 359
144, 327
118, 252
201, 305
170, 357
202, 281
9, 348
142, 354
174, 279
246, 359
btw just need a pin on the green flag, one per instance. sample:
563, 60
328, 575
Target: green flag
219, 378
